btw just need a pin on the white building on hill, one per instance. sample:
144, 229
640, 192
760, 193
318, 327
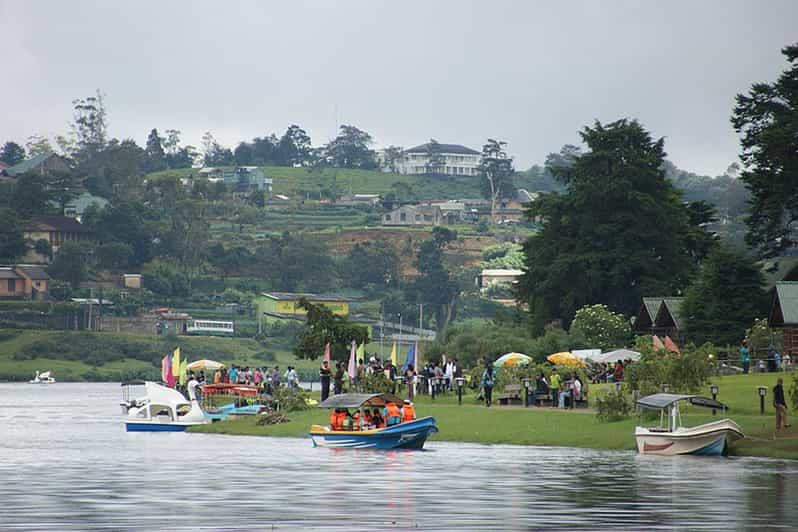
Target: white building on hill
455, 160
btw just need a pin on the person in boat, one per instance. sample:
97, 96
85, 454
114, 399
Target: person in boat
780, 405
368, 421
376, 419
325, 374
337, 419
192, 387
348, 421
408, 411
392, 414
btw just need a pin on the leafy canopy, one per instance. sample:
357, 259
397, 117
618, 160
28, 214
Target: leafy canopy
321, 327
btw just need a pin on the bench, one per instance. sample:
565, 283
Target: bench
512, 393
541, 399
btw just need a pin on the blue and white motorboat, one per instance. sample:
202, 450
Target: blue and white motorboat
407, 435
161, 409
671, 438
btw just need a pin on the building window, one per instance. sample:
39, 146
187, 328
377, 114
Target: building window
12, 286
427, 218
418, 217
403, 217
387, 217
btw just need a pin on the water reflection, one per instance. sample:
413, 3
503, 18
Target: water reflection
67, 463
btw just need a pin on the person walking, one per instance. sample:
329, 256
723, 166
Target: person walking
488, 379
745, 357
780, 405
325, 374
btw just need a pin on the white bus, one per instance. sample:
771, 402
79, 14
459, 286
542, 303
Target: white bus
210, 328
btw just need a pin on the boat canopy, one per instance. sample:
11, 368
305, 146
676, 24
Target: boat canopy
658, 401
133, 383
356, 400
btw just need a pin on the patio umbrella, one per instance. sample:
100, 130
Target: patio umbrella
511, 359
565, 359
617, 354
205, 364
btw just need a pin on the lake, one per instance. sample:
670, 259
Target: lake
67, 463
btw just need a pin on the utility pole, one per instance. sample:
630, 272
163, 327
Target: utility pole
400, 329
420, 319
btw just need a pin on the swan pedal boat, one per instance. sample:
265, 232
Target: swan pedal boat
709, 439
42, 378
162, 409
407, 435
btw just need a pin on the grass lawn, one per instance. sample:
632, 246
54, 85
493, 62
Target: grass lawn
471, 422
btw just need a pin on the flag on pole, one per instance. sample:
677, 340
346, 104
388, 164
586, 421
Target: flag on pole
176, 362
393, 354
166, 362
671, 346
352, 370
183, 372
410, 358
657, 343
327, 352
415, 363
361, 352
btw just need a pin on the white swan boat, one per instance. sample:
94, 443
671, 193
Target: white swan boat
671, 438
161, 409
42, 378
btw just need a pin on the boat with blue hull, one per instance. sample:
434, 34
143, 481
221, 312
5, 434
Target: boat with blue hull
407, 435
671, 438
222, 401
161, 409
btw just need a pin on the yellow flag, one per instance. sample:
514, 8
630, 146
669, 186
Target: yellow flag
361, 351
393, 354
183, 371
176, 362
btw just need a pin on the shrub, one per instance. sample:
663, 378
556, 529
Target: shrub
612, 407
375, 383
687, 372
601, 327
290, 399
794, 390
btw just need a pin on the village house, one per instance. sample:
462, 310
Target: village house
413, 215
54, 229
358, 200
456, 160
77, 207
24, 282
499, 276
661, 316
784, 315
42, 164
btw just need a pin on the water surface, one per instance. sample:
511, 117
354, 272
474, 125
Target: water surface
66, 463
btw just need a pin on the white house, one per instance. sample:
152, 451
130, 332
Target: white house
499, 276
409, 215
456, 160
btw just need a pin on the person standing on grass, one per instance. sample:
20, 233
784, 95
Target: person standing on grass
324, 374
338, 379
745, 357
554, 387
488, 379
780, 405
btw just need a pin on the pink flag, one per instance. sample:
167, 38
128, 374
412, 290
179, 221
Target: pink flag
327, 352
671, 346
166, 362
352, 370
658, 345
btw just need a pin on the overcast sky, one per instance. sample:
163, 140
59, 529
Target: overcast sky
530, 73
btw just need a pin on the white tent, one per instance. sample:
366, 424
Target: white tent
584, 354
617, 354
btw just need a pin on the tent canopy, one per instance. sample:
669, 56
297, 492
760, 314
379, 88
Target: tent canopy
355, 400
205, 364
659, 401
615, 355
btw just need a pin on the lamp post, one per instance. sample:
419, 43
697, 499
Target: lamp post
713, 388
666, 388
460, 381
527, 385
763, 391
618, 387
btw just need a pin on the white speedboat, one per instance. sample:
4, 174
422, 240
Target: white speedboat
671, 438
42, 378
161, 409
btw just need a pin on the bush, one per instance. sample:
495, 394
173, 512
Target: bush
794, 390
290, 399
686, 373
375, 383
265, 356
600, 327
612, 407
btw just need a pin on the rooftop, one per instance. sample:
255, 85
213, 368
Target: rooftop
785, 305
295, 296
55, 223
29, 164
444, 148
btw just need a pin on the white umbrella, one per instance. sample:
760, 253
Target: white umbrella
617, 354
205, 364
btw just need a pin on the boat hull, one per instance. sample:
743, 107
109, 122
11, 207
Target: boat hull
710, 439
143, 426
409, 435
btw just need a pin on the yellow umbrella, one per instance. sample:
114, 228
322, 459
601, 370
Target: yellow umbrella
511, 359
205, 364
565, 358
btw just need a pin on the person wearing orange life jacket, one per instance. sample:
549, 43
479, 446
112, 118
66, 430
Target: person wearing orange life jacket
408, 411
392, 414
335, 419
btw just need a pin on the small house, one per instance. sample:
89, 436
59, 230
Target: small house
784, 314
413, 215
56, 230
24, 282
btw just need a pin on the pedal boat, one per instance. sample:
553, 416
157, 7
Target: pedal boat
162, 409
407, 435
221, 401
671, 438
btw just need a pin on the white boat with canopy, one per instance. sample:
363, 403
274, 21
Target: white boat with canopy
42, 378
671, 438
161, 409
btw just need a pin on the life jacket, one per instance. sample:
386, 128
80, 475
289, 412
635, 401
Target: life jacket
356, 421
368, 420
392, 414
408, 412
337, 420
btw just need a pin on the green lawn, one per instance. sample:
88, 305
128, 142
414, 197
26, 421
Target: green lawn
471, 422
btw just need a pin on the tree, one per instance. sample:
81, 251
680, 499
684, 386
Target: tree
89, 130
322, 327
62, 187
392, 155
31, 196
114, 256
12, 240
497, 170
434, 287
214, 154
436, 162
71, 263
154, 155
372, 265
177, 157
617, 233
123, 221
294, 148
724, 299
12, 153
38, 145
600, 327
350, 149
767, 120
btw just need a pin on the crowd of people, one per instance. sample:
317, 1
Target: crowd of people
773, 360
263, 377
